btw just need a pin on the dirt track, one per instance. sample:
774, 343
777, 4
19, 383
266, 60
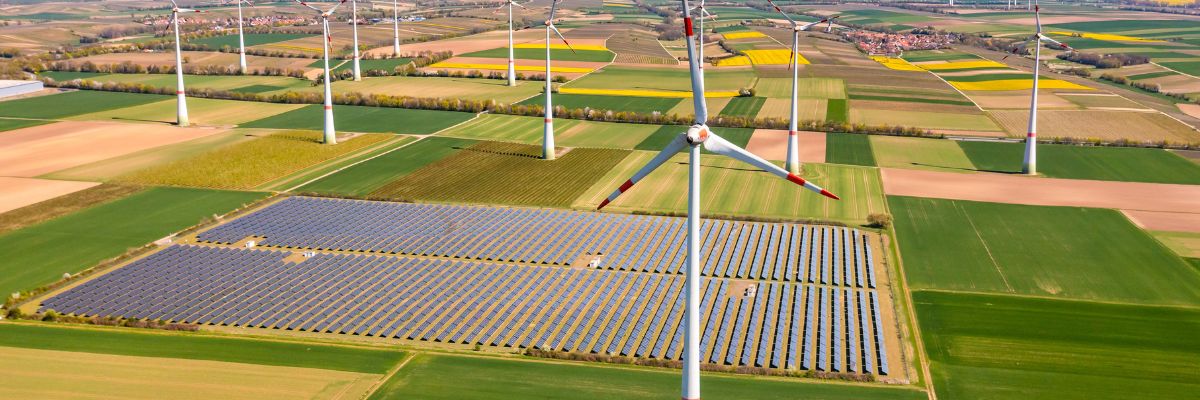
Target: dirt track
47, 148
1166, 221
20, 192
771, 144
1017, 189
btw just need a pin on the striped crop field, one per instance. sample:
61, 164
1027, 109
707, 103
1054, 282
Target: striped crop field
644, 93
559, 46
1016, 84
804, 298
734, 61
568, 132
898, 64
505, 173
540, 54
773, 57
959, 65
743, 35
504, 67
1107, 37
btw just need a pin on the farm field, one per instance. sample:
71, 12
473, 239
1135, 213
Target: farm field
435, 87
427, 376
365, 178
665, 190
62, 205
215, 82
1105, 124
661, 79
200, 112
540, 54
251, 39
601, 102
364, 119
998, 347
1076, 162
7, 124
664, 134
504, 173
254, 163
35, 255
74, 103
919, 153
849, 149
923, 119
43, 149
743, 107
567, 132
111, 168
1064, 252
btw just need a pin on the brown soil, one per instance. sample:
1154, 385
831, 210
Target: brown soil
771, 144
1019, 100
47, 148
1017, 189
1190, 109
1165, 221
20, 192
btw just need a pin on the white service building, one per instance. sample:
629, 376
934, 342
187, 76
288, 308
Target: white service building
14, 88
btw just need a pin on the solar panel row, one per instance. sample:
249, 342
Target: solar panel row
470, 302
747, 250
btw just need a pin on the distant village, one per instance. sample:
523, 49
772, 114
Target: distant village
880, 43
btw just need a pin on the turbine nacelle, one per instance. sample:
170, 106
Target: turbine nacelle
697, 134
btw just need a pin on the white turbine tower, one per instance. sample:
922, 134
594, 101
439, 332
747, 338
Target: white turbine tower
181, 115
793, 148
699, 135
241, 37
395, 29
1029, 165
354, 28
512, 69
548, 132
829, 23
330, 135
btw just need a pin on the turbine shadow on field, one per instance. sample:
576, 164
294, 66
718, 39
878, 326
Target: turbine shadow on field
144, 120
503, 153
966, 169
703, 165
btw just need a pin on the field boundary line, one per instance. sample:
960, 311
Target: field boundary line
1174, 70
986, 248
303, 184
908, 305
1071, 299
388, 376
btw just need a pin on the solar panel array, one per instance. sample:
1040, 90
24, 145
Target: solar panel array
731, 249
766, 323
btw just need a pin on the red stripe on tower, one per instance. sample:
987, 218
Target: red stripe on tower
328, 107
1031, 134
549, 120
687, 26
178, 92
792, 133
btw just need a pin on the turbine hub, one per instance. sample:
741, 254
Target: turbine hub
697, 134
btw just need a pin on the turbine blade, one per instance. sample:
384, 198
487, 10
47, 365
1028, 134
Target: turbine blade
553, 7
174, 4
812, 24
335, 7
719, 145
519, 5
772, 3
560, 36
306, 5
501, 6
676, 145
188, 10
1058, 43
1037, 18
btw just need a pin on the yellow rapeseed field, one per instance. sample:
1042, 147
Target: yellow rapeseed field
452, 27
1108, 37
560, 46
733, 61
961, 65
743, 35
504, 67
898, 64
772, 57
1017, 84
644, 93
611, 4
291, 47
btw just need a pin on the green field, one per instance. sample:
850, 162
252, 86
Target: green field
364, 178
74, 103
214, 82
1124, 25
723, 183
743, 107
781, 88
1066, 252
838, 110
911, 100
254, 163
201, 111
1079, 162
251, 39
10, 124
1188, 67
430, 376
505, 173
674, 79
567, 132
666, 133
850, 149
995, 347
365, 119
40, 254
614, 103
193, 346
937, 55
920, 153
540, 54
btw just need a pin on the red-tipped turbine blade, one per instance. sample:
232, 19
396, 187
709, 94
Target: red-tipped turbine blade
677, 144
560, 36
719, 145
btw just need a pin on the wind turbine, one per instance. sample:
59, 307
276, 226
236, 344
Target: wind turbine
512, 70
548, 132
241, 36
699, 135
1029, 165
703, 13
354, 24
829, 25
330, 134
793, 149
181, 115
395, 29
